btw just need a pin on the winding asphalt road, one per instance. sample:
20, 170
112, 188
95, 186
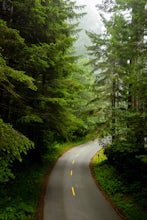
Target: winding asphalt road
72, 193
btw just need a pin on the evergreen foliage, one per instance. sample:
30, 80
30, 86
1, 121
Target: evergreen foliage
39, 89
12, 145
38, 72
119, 57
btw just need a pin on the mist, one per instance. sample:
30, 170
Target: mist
90, 22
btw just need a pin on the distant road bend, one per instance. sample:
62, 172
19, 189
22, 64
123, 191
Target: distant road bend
72, 193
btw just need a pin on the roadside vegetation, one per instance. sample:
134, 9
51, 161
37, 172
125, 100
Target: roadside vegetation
119, 59
128, 198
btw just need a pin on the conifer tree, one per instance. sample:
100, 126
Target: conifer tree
42, 49
119, 55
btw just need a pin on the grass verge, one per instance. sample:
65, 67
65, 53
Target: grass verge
120, 193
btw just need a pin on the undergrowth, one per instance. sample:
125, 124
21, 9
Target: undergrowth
124, 196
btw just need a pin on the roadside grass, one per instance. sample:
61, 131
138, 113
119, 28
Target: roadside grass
19, 198
118, 191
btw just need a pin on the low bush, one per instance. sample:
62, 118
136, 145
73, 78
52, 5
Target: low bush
128, 198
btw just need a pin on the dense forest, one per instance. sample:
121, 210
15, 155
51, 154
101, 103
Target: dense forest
119, 58
44, 87
50, 95
41, 82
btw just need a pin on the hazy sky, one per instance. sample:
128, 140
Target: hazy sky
90, 22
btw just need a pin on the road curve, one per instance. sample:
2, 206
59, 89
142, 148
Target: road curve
72, 193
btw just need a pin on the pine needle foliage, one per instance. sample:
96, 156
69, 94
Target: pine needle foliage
37, 71
119, 59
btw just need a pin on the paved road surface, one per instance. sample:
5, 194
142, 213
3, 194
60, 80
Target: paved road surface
72, 193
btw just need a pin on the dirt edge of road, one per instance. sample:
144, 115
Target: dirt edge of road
40, 206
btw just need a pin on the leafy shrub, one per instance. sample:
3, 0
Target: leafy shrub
22, 212
129, 198
123, 156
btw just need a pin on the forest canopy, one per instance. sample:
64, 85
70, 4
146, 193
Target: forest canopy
119, 58
39, 78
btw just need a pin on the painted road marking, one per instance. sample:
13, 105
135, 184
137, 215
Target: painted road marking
73, 191
73, 162
71, 172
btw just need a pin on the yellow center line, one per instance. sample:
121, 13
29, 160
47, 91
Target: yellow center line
73, 191
73, 162
71, 172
